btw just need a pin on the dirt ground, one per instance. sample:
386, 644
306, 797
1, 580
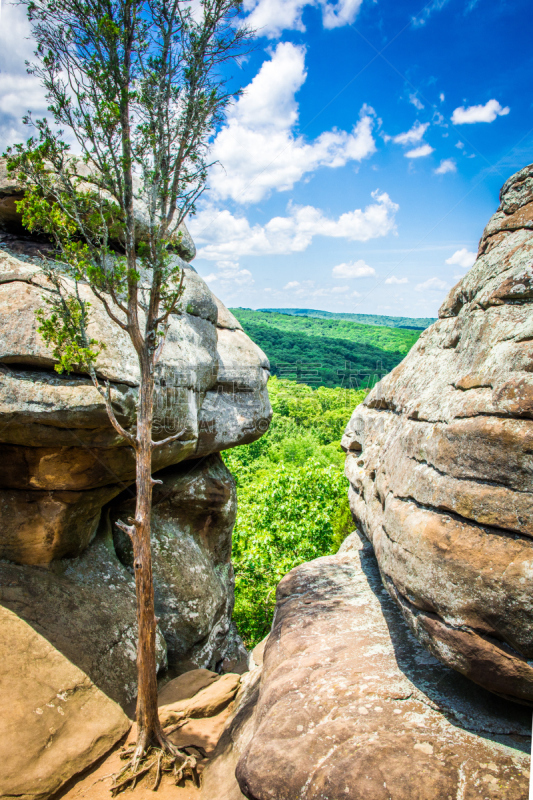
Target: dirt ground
95, 783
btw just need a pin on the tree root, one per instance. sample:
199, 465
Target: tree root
182, 762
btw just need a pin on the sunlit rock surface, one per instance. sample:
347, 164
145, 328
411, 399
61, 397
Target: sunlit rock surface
439, 463
351, 706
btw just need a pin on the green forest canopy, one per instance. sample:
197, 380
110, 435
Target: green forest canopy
366, 319
292, 496
326, 352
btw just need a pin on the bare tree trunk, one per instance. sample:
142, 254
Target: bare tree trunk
149, 727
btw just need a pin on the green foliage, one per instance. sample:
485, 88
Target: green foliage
413, 323
293, 503
286, 517
63, 328
329, 352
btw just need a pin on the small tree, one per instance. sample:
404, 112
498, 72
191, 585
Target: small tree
138, 85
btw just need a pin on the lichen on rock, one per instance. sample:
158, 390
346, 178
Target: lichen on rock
439, 464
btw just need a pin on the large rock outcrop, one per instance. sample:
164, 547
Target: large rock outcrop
62, 462
193, 514
54, 722
65, 477
352, 707
62, 459
439, 462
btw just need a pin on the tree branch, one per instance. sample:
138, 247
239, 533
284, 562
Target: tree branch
132, 440
168, 440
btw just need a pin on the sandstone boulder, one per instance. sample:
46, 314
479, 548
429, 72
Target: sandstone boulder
439, 462
218, 778
55, 439
193, 514
11, 190
85, 607
54, 722
207, 702
352, 706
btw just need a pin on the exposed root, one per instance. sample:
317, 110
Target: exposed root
182, 762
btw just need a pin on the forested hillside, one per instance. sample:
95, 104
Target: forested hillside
293, 496
416, 323
326, 352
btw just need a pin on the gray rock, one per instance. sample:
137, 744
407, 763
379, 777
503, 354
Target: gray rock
193, 515
54, 431
352, 706
439, 462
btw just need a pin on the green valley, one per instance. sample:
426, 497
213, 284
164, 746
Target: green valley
327, 352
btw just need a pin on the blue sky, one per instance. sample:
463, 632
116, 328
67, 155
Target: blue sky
365, 156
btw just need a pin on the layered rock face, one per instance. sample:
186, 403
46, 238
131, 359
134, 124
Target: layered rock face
62, 462
439, 462
66, 477
352, 706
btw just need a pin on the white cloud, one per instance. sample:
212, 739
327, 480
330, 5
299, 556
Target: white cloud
292, 285
230, 275
393, 279
354, 269
486, 113
433, 284
271, 17
258, 150
420, 152
340, 289
463, 258
460, 145
427, 11
442, 97
19, 92
222, 236
339, 13
412, 136
413, 99
447, 165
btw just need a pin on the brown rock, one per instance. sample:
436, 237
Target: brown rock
439, 462
186, 686
54, 722
352, 706
41, 526
85, 607
208, 702
54, 432
218, 778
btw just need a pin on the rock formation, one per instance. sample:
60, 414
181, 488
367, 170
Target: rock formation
439, 462
65, 477
54, 721
351, 706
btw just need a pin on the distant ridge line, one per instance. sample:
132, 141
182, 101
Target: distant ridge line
411, 323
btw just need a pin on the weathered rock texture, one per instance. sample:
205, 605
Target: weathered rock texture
85, 607
11, 190
65, 477
54, 722
439, 462
62, 460
352, 707
193, 514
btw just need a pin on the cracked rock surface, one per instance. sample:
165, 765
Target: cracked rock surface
439, 459
351, 706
